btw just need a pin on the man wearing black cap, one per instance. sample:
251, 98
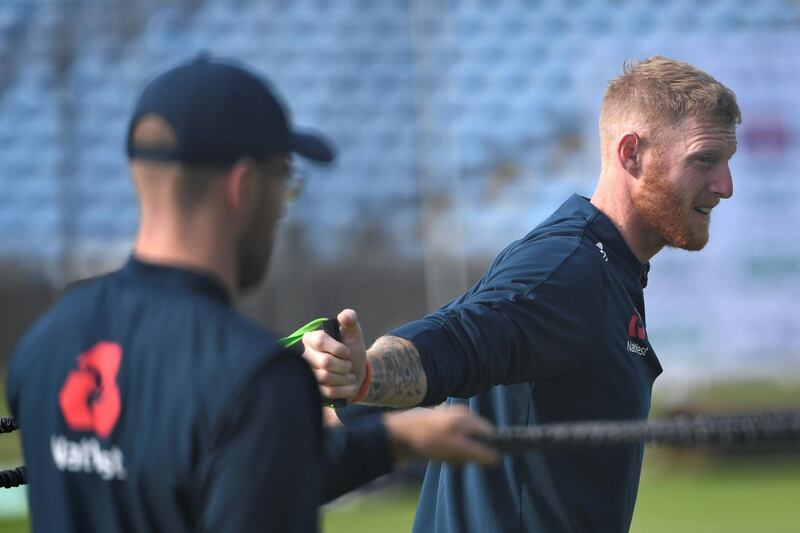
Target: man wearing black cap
146, 402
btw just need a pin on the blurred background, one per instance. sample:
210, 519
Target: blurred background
460, 126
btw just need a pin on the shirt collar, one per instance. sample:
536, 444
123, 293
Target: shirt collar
606, 232
170, 276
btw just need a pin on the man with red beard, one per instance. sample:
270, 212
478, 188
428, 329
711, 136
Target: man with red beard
555, 331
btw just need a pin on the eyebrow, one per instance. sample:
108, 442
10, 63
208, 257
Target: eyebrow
727, 148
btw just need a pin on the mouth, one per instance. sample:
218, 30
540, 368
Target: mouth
705, 211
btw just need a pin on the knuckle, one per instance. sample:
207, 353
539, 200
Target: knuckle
312, 339
344, 351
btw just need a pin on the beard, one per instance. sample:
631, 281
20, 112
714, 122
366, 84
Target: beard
252, 270
669, 213
254, 255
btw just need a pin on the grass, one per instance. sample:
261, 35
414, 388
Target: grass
13, 526
722, 497
739, 496
388, 510
750, 395
756, 494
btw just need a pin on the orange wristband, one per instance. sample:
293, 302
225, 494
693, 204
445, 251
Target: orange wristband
367, 380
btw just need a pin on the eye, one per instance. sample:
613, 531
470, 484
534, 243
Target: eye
706, 159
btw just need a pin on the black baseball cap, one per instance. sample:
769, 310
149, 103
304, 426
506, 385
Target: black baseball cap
220, 113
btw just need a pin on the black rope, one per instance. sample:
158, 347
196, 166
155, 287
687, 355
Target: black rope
13, 478
8, 424
742, 429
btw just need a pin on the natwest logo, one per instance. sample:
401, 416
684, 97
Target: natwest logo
636, 328
90, 398
636, 332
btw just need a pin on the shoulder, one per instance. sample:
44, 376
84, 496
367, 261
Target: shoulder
243, 338
557, 255
249, 360
278, 383
55, 324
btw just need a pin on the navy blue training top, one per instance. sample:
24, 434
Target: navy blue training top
147, 403
553, 332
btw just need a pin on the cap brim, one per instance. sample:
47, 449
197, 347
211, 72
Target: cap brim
313, 146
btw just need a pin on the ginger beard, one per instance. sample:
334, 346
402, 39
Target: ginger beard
668, 211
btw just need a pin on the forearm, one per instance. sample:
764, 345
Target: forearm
398, 379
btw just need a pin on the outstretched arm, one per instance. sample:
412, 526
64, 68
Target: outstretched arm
534, 318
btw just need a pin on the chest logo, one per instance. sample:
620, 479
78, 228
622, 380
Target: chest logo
602, 251
636, 334
90, 399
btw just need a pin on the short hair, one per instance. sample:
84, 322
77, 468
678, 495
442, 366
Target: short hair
194, 181
661, 92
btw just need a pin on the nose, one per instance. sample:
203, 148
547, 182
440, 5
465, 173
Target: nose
721, 184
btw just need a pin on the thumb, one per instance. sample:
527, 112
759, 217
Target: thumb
349, 327
353, 338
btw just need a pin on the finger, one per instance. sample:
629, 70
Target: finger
464, 421
347, 392
472, 450
325, 361
324, 377
322, 342
475, 425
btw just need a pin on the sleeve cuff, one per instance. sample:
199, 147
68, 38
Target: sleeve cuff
352, 413
430, 340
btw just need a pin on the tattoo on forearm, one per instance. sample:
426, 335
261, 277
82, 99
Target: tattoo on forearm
398, 379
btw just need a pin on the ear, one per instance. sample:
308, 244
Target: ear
240, 189
629, 153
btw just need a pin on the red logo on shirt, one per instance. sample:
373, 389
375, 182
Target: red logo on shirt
636, 328
89, 398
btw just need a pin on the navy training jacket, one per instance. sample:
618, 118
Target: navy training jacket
147, 403
553, 332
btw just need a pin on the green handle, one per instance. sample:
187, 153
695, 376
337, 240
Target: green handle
332, 328
295, 337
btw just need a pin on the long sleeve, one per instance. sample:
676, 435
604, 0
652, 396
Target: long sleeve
533, 316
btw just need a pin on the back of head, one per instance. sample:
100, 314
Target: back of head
182, 185
659, 93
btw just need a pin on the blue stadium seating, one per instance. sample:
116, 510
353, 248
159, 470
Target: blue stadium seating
399, 86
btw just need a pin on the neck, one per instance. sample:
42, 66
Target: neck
192, 241
613, 199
